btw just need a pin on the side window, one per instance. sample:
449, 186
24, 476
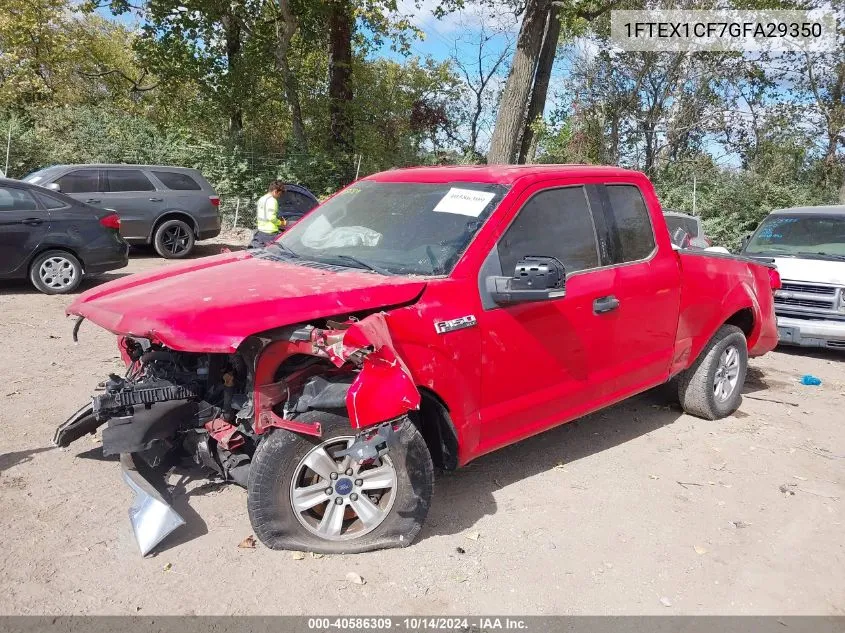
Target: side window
14, 199
630, 223
79, 181
556, 223
177, 181
296, 203
128, 180
50, 202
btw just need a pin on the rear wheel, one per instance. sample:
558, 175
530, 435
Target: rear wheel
303, 496
173, 239
712, 387
55, 272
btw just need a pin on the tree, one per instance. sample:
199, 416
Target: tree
504, 143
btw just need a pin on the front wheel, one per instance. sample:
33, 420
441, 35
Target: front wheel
712, 387
303, 496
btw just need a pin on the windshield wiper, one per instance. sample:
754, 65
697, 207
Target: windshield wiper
840, 258
283, 248
362, 264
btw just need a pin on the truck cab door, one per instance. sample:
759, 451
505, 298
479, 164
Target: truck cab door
23, 225
646, 284
546, 362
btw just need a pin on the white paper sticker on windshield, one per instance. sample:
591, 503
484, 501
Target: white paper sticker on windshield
464, 202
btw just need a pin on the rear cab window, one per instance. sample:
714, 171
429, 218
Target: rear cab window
629, 224
177, 181
127, 180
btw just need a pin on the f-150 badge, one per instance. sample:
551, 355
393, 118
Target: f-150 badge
442, 327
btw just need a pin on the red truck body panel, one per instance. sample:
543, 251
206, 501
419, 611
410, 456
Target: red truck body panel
523, 369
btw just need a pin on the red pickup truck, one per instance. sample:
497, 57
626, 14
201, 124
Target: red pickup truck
419, 318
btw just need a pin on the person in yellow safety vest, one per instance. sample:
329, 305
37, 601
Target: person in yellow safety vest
268, 222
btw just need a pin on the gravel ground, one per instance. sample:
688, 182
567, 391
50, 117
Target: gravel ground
638, 509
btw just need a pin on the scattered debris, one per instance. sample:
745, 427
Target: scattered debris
701, 551
473, 536
355, 579
665, 601
297, 555
818, 494
799, 478
787, 489
460, 550
810, 380
168, 567
791, 404
684, 484
654, 477
721, 466
316, 555
560, 466
740, 524
247, 543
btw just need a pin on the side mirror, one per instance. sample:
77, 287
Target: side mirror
744, 241
535, 278
53, 187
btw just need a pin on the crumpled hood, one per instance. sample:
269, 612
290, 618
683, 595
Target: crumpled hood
813, 271
212, 304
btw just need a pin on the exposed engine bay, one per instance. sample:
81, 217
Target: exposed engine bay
211, 410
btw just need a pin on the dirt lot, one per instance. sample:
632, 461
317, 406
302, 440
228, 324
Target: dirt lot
636, 510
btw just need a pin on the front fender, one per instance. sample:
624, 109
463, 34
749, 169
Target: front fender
383, 389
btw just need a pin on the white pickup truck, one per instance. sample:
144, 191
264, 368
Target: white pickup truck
808, 246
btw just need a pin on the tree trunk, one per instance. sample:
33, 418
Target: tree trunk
340, 82
232, 32
541, 87
284, 34
512, 108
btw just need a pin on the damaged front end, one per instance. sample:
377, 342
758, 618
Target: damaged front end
211, 410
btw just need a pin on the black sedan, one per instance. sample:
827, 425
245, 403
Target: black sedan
55, 240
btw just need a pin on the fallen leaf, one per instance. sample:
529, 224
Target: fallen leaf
316, 555
653, 477
473, 536
355, 578
168, 567
800, 478
247, 543
665, 601
740, 524
700, 550
297, 555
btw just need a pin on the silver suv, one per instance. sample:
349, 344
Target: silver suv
168, 207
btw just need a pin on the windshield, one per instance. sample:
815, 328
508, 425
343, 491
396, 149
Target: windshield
800, 235
394, 227
36, 176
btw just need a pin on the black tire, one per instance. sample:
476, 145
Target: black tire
65, 279
174, 239
697, 385
276, 462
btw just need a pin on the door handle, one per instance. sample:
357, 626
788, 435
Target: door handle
156, 199
605, 304
32, 221
91, 200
